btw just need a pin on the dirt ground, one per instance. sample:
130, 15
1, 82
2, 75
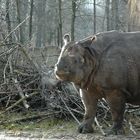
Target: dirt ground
51, 135
61, 130
35, 135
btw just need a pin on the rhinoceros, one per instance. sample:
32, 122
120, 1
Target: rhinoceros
104, 65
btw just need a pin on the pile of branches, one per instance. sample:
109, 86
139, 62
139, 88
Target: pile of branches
19, 77
27, 85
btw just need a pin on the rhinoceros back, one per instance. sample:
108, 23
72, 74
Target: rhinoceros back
119, 61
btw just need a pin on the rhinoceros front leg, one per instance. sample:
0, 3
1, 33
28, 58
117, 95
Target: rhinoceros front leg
116, 102
90, 104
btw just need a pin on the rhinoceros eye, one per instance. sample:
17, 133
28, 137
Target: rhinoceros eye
78, 61
69, 49
75, 61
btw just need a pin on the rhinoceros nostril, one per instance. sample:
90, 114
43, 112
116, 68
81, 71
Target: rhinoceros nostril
65, 67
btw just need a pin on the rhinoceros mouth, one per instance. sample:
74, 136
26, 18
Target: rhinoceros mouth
61, 75
62, 78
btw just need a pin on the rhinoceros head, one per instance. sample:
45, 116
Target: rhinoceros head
75, 62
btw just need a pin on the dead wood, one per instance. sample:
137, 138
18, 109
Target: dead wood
18, 102
30, 118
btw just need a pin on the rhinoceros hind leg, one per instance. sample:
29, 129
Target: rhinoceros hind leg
116, 102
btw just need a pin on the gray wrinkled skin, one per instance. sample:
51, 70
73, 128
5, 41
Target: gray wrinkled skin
105, 65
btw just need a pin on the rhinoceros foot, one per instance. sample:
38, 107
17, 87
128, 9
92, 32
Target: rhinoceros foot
85, 128
115, 131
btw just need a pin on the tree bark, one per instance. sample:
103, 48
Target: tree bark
73, 19
115, 15
94, 14
8, 20
30, 21
107, 15
41, 6
134, 16
21, 36
60, 22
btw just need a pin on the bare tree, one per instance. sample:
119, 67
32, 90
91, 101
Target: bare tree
60, 22
41, 6
18, 6
134, 16
8, 20
94, 22
31, 18
115, 15
107, 9
50, 19
73, 19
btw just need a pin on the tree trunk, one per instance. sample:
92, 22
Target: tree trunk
73, 19
134, 15
60, 22
107, 15
21, 36
41, 6
57, 32
115, 15
31, 17
8, 21
94, 14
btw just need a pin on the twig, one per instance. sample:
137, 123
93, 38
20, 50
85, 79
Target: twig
70, 111
9, 51
8, 101
19, 101
16, 28
29, 58
79, 112
17, 85
100, 127
20, 91
131, 128
13, 92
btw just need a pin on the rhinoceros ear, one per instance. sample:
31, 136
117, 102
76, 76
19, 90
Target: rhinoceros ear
88, 41
94, 38
66, 39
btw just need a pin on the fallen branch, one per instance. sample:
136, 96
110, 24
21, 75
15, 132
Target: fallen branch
19, 101
17, 85
70, 111
29, 118
131, 128
100, 127
29, 58
7, 52
20, 91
